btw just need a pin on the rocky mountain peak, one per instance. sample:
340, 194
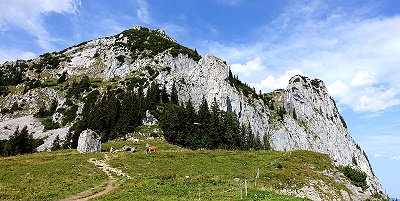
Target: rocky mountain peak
302, 116
313, 122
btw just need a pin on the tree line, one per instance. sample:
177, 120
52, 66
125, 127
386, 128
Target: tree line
208, 128
20, 142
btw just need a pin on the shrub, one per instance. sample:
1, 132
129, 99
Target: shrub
49, 124
357, 177
62, 78
120, 58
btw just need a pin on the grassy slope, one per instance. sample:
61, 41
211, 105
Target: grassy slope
211, 174
163, 175
47, 176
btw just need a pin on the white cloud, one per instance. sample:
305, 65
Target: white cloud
338, 88
251, 67
142, 12
271, 82
396, 158
358, 61
7, 54
382, 153
28, 15
362, 78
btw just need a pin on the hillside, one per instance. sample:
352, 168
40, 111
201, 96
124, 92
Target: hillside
173, 174
109, 84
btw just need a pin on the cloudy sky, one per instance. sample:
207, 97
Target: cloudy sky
353, 46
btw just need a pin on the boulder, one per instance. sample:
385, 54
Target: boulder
89, 141
149, 120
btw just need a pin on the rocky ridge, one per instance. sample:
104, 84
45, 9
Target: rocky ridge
312, 121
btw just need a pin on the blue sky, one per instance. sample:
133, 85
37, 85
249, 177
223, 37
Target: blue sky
354, 46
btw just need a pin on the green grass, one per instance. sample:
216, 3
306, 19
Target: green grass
173, 173
180, 174
48, 176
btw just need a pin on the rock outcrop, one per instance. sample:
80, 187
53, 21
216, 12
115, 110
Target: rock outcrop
314, 123
89, 141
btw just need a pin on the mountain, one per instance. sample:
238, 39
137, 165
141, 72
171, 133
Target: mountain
48, 94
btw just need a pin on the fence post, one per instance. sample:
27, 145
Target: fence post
241, 194
257, 176
245, 186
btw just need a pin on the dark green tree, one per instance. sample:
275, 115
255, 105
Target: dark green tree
56, 144
171, 122
203, 126
164, 95
174, 94
215, 129
190, 126
257, 143
21, 142
153, 96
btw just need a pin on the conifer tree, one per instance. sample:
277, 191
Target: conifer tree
174, 94
56, 144
21, 142
203, 125
257, 143
190, 120
152, 96
215, 129
164, 95
171, 123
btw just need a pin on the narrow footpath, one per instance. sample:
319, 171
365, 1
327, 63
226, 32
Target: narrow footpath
88, 194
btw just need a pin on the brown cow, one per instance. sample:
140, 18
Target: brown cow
153, 149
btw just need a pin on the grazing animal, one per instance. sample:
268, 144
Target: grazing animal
153, 149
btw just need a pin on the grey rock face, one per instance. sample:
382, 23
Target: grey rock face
313, 123
89, 141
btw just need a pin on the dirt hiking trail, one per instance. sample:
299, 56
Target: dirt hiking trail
88, 194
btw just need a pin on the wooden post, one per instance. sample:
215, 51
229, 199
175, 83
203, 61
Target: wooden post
240, 184
245, 186
257, 176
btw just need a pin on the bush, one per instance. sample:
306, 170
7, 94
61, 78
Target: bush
120, 58
357, 177
49, 124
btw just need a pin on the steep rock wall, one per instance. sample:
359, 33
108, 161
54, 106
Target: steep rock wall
314, 123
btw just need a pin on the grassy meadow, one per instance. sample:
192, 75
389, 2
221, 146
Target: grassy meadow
173, 173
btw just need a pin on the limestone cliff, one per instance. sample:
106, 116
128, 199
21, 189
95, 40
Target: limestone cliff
304, 116
314, 123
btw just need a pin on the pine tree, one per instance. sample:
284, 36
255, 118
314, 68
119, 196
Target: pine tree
215, 129
56, 144
203, 125
21, 142
257, 143
174, 94
190, 120
112, 112
171, 123
152, 96
164, 95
